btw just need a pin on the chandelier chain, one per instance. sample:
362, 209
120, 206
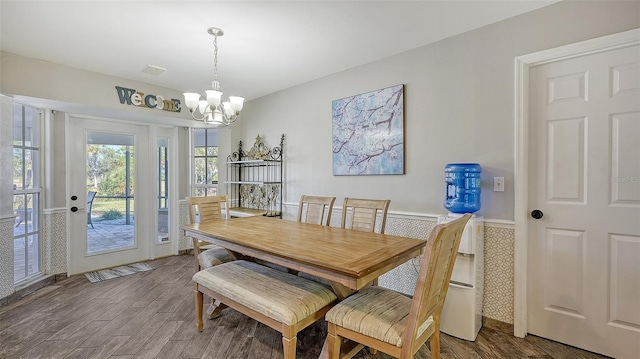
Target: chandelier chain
215, 57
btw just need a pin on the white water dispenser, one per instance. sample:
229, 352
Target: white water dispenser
462, 313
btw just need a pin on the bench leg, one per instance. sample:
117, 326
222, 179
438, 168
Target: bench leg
289, 346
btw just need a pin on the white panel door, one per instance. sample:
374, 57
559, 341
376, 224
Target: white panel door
584, 253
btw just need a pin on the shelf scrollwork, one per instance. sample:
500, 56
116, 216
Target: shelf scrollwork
259, 152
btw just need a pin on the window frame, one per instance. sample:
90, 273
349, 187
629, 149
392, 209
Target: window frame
208, 187
30, 190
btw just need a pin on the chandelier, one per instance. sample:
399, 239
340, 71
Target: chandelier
213, 110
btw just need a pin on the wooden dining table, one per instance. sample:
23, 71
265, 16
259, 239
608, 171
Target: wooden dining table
348, 259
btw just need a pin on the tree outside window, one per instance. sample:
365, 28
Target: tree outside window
205, 162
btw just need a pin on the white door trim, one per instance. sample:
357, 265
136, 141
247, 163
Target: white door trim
521, 107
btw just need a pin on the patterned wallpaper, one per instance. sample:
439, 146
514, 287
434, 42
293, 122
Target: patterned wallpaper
183, 218
6, 257
499, 254
55, 242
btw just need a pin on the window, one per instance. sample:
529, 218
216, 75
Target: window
26, 191
205, 162
163, 189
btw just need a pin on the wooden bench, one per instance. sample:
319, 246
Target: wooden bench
283, 301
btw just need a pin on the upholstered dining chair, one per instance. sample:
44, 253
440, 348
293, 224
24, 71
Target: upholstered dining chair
388, 321
361, 214
314, 209
204, 209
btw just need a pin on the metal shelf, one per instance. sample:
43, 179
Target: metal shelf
254, 180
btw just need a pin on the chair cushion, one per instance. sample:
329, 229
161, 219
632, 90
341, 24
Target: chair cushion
213, 257
281, 296
375, 312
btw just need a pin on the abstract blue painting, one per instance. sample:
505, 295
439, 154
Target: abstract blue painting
368, 133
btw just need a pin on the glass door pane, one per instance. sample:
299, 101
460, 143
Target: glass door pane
163, 190
110, 174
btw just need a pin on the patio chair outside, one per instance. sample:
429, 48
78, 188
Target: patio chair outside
90, 196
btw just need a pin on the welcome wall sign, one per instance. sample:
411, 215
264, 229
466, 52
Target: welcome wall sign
134, 98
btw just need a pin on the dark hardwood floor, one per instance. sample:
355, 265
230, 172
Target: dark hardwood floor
151, 315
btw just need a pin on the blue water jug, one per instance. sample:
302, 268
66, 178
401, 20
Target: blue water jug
463, 187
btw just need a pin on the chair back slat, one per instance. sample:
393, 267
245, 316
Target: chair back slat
433, 279
314, 209
208, 208
361, 214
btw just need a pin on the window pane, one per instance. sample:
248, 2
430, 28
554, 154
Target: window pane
19, 260
212, 137
212, 170
28, 168
199, 137
20, 210
18, 169
17, 125
212, 191
32, 124
199, 151
32, 217
199, 175
33, 257
200, 191
212, 151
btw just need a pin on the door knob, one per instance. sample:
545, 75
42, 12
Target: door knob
73, 198
74, 209
537, 214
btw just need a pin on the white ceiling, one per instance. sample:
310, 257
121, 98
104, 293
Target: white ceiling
268, 45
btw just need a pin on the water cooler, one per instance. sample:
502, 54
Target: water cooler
462, 313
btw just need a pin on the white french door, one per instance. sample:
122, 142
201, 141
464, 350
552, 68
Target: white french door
116, 161
584, 193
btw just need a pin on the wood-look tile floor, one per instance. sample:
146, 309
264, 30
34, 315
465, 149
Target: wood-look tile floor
151, 315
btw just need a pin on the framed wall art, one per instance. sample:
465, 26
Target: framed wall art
368, 133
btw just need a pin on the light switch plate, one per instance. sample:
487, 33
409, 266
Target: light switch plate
498, 184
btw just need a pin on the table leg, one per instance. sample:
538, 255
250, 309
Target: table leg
341, 291
348, 348
215, 308
324, 354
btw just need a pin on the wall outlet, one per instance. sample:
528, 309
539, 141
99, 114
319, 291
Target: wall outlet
498, 184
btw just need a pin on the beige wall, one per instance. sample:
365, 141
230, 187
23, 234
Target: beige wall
85, 93
458, 107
